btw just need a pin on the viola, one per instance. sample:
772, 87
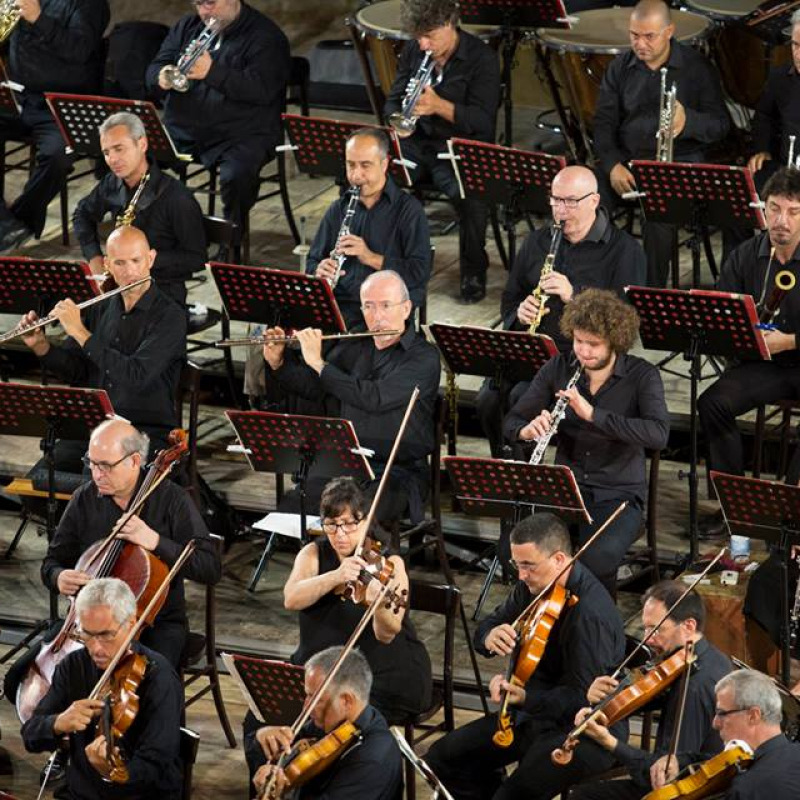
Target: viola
709, 778
379, 568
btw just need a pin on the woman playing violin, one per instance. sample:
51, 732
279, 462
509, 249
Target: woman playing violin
106, 611
647, 770
586, 640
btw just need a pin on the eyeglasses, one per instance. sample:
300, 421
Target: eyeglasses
569, 202
103, 467
370, 308
346, 525
525, 566
646, 37
721, 713
104, 637
199, 3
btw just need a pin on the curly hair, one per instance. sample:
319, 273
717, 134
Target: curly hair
421, 16
783, 183
602, 313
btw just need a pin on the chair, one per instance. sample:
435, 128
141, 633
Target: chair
189, 392
189, 744
199, 658
786, 409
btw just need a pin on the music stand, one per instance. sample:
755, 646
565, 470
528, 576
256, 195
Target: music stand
513, 17
698, 196
697, 323
770, 511
771, 20
318, 144
274, 690
306, 447
28, 284
517, 180
504, 488
9, 105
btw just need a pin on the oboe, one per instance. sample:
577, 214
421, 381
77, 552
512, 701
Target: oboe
556, 415
344, 230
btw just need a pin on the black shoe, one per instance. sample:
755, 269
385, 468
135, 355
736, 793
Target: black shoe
222, 255
13, 234
473, 289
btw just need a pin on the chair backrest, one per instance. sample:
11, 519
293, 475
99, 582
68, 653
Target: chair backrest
220, 231
189, 744
189, 391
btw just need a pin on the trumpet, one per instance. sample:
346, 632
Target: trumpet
127, 217
261, 340
792, 162
404, 121
10, 16
547, 268
344, 230
666, 119
21, 330
175, 74
556, 415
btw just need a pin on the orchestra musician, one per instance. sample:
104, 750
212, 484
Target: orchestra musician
230, 117
389, 229
369, 381
370, 768
627, 115
616, 412
461, 101
593, 253
587, 640
697, 734
57, 46
106, 611
166, 211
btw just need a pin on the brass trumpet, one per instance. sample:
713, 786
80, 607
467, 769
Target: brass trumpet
10, 16
261, 340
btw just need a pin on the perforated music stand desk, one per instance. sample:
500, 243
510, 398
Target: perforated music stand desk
502, 488
517, 180
698, 195
304, 446
770, 511
697, 323
318, 144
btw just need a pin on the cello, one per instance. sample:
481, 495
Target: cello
111, 557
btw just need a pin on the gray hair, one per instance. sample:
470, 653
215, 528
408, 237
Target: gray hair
111, 592
377, 135
383, 275
353, 675
753, 689
133, 123
795, 18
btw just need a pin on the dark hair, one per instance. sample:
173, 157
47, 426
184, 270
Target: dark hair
547, 531
784, 183
339, 494
377, 135
668, 592
603, 314
420, 16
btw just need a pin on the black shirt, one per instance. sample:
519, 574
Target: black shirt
778, 114
395, 227
136, 356
169, 511
587, 640
471, 81
63, 51
773, 775
242, 96
152, 742
697, 734
606, 258
630, 416
166, 211
626, 119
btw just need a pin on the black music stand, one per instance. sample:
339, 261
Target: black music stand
512, 17
318, 146
500, 488
770, 511
698, 196
771, 20
517, 180
697, 323
305, 447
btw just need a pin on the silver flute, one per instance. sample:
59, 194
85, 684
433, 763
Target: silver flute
666, 119
344, 230
556, 415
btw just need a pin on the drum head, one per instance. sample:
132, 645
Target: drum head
724, 9
382, 20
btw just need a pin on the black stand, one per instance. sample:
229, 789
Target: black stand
303, 446
769, 511
771, 20
697, 323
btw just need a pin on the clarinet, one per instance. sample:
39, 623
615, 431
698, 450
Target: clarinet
344, 230
556, 415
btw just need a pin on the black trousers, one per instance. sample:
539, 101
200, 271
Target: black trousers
473, 214
470, 764
739, 390
622, 789
53, 164
491, 408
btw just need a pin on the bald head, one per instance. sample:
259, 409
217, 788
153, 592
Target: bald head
656, 10
387, 279
118, 435
127, 236
574, 200
129, 258
574, 181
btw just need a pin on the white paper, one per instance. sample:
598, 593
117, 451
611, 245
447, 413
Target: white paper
285, 524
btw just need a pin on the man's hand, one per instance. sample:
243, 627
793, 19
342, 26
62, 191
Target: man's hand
97, 264
537, 427
557, 284
70, 580
69, 315
622, 180
428, 104
136, 531
757, 161
97, 756
678, 119
501, 640
273, 351
660, 775
498, 684
274, 740
352, 245
29, 10
777, 341
578, 403
264, 773
77, 717
601, 688
36, 340
311, 347
327, 269
597, 729
528, 309
201, 67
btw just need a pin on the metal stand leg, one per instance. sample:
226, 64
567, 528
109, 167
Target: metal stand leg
262, 563
486, 586
18, 535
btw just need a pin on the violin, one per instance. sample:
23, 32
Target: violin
709, 778
379, 568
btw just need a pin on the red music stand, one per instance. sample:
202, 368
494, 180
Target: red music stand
697, 323
698, 196
318, 146
274, 690
770, 511
502, 488
305, 447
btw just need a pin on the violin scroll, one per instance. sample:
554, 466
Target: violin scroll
561, 756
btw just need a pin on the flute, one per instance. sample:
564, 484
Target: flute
260, 340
